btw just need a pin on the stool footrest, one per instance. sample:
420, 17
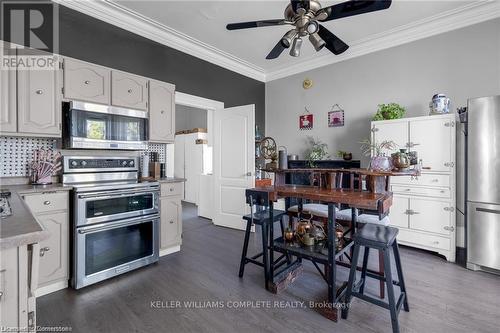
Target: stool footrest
257, 255
381, 278
255, 262
370, 300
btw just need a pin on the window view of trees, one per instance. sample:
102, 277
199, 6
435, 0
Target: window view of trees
96, 129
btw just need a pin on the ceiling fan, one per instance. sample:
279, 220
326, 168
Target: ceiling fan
305, 16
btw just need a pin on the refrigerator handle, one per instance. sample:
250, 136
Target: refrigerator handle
486, 210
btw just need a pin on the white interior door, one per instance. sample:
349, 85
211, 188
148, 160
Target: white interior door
234, 163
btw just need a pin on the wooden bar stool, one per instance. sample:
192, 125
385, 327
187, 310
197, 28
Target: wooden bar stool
383, 239
261, 218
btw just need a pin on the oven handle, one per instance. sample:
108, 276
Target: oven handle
118, 224
106, 195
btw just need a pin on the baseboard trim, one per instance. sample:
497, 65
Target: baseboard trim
173, 249
53, 287
461, 256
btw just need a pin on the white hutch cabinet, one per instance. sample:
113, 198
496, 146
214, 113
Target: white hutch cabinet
424, 207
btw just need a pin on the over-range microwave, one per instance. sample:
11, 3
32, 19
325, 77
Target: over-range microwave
96, 126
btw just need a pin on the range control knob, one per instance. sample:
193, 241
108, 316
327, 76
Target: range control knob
83, 163
74, 163
124, 163
131, 163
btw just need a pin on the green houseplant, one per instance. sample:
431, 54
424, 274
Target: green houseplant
318, 151
389, 111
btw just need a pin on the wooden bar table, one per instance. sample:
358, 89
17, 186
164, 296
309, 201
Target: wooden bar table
355, 199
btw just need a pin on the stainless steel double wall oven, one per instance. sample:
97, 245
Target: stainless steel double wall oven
115, 217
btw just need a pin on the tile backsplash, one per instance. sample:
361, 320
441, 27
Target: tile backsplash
17, 152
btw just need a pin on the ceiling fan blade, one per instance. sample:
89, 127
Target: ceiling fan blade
333, 43
297, 4
276, 51
254, 24
353, 7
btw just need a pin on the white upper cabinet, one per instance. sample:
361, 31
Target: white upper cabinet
86, 82
161, 112
396, 131
431, 139
129, 90
8, 120
38, 103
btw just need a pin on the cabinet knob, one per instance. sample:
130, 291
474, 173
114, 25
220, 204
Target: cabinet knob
43, 250
171, 222
46, 202
449, 164
162, 111
449, 228
1, 294
129, 91
435, 180
39, 92
171, 189
435, 242
86, 82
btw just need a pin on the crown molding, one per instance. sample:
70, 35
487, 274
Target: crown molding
447, 21
132, 21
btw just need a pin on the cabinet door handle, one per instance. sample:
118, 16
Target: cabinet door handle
1, 294
374, 129
86, 82
46, 202
435, 180
171, 222
435, 242
449, 209
39, 91
449, 164
449, 228
162, 111
171, 189
43, 250
129, 91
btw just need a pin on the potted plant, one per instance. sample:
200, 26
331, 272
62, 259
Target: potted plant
318, 151
347, 156
379, 161
389, 111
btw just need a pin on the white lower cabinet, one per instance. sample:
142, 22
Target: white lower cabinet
17, 304
51, 211
54, 258
171, 218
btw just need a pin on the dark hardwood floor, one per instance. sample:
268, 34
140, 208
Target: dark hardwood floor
443, 297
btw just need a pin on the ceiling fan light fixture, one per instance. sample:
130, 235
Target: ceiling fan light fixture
288, 38
316, 41
312, 27
295, 50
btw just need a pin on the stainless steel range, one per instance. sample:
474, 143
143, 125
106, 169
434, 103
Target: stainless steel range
115, 218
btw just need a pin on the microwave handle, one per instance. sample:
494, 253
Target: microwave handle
115, 194
109, 225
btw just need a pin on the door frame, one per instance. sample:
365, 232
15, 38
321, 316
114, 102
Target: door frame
210, 105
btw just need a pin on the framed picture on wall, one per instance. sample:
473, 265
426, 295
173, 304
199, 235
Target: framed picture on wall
306, 121
336, 118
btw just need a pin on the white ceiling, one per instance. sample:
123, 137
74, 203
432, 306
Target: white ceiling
199, 26
206, 21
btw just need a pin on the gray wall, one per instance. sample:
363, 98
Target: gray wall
187, 117
83, 37
461, 64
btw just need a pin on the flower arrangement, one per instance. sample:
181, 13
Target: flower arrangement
367, 147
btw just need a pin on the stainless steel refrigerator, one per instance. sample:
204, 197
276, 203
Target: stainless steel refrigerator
478, 187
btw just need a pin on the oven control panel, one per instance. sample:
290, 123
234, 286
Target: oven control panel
72, 164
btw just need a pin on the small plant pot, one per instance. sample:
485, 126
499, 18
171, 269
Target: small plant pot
381, 163
347, 157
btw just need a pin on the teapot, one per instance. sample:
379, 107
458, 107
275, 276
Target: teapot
401, 160
317, 232
304, 226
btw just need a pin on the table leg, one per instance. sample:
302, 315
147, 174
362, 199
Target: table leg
332, 245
